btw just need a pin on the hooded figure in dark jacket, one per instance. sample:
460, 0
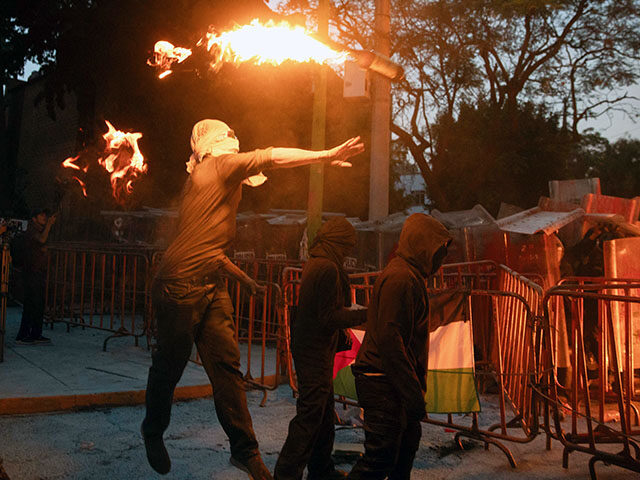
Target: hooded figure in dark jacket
390, 369
322, 312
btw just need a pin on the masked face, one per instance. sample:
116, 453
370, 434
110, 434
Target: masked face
213, 137
226, 143
438, 258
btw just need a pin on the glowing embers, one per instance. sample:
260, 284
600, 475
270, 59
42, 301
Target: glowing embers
272, 43
121, 158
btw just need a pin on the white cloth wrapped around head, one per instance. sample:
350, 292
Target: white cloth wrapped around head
213, 137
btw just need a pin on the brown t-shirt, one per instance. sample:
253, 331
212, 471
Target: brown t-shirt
207, 216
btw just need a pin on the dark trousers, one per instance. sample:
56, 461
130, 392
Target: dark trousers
391, 439
311, 432
33, 305
188, 313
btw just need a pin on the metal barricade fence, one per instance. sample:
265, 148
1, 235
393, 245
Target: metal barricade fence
480, 275
259, 325
500, 299
105, 290
599, 401
503, 307
513, 368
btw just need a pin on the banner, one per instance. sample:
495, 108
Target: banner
451, 384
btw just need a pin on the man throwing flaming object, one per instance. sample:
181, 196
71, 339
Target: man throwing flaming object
189, 295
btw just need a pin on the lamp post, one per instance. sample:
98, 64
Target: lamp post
380, 119
316, 171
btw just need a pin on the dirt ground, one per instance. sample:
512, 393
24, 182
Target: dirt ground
105, 444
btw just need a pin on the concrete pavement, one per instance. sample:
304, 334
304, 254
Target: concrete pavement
74, 372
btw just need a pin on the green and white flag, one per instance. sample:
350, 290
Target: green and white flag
451, 386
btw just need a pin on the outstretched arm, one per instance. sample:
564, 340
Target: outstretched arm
337, 156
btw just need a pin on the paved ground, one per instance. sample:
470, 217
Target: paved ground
104, 443
74, 371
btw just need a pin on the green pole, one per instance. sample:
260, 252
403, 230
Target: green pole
316, 171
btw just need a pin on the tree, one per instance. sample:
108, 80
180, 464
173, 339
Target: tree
616, 164
98, 49
575, 57
492, 154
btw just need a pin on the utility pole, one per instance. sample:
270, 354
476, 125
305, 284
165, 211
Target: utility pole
380, 118
316, 171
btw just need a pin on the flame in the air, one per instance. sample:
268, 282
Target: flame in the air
121, 158
124, 160
70, 163
272, 43
165, 54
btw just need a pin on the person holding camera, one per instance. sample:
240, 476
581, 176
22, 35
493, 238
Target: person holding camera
34, 275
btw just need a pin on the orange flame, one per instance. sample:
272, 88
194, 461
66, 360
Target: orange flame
272, 43
121, 158
124, 160
165, 55
69, 163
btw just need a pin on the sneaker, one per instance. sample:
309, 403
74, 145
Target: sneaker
254, 467
42, 340
25, 341
157, 454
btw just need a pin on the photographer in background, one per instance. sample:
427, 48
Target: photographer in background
33, 252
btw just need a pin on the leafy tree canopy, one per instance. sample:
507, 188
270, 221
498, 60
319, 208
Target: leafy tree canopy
576, 58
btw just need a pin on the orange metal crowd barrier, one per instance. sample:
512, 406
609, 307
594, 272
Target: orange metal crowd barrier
512, 364
261, 333
604, 315
500, 300
259, 324
105, 290
518, 330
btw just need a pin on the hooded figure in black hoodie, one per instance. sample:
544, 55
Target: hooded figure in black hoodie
323, 310
390, 369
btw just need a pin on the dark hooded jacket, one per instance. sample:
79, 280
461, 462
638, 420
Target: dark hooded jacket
35, 250
395, 344
324, 296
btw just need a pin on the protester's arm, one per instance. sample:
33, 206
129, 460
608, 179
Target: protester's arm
332, 317
232, 269
44, 235
283, 157
393, 327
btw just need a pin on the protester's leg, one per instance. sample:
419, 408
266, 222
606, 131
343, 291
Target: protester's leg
175, 322
384, 425
408, 447
218, 348
304, 428
320, 463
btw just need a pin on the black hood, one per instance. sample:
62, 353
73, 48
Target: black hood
421, 237
335, 240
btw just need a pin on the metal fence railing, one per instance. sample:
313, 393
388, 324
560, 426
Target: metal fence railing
600, 397
521, 331
105, 290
